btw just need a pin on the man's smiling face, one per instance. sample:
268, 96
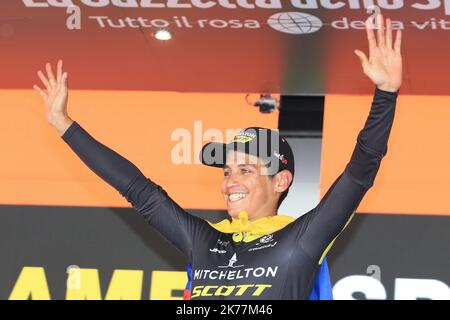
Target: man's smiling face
247, 187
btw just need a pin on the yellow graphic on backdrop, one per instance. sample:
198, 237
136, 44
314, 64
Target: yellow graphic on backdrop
84, 284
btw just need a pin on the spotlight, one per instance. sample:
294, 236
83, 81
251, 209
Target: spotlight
266, 104
163, 34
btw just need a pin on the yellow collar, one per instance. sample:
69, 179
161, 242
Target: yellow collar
261, 226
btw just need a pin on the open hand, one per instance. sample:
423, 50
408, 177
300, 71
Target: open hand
55, 93
384, 65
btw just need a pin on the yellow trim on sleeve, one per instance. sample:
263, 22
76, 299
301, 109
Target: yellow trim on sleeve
332, 242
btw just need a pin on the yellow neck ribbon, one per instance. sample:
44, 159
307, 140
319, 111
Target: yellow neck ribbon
257, 227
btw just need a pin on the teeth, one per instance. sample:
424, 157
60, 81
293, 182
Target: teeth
236, 196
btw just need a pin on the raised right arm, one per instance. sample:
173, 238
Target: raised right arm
148, 198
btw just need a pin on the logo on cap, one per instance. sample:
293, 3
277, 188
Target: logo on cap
244, 137
280, 157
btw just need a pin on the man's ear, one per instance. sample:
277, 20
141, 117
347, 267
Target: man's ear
282, 181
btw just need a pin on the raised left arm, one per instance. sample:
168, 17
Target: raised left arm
323, 224
384, 65
384, 68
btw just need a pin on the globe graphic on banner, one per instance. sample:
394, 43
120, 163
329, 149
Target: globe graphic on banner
294, 22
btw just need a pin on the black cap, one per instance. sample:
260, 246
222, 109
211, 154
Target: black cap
264, 143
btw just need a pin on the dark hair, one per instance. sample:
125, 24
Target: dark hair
284, 194
282, 197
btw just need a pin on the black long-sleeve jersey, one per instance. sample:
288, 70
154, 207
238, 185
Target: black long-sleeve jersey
281, 265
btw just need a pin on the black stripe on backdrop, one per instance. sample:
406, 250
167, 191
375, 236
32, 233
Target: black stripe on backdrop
54, 237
